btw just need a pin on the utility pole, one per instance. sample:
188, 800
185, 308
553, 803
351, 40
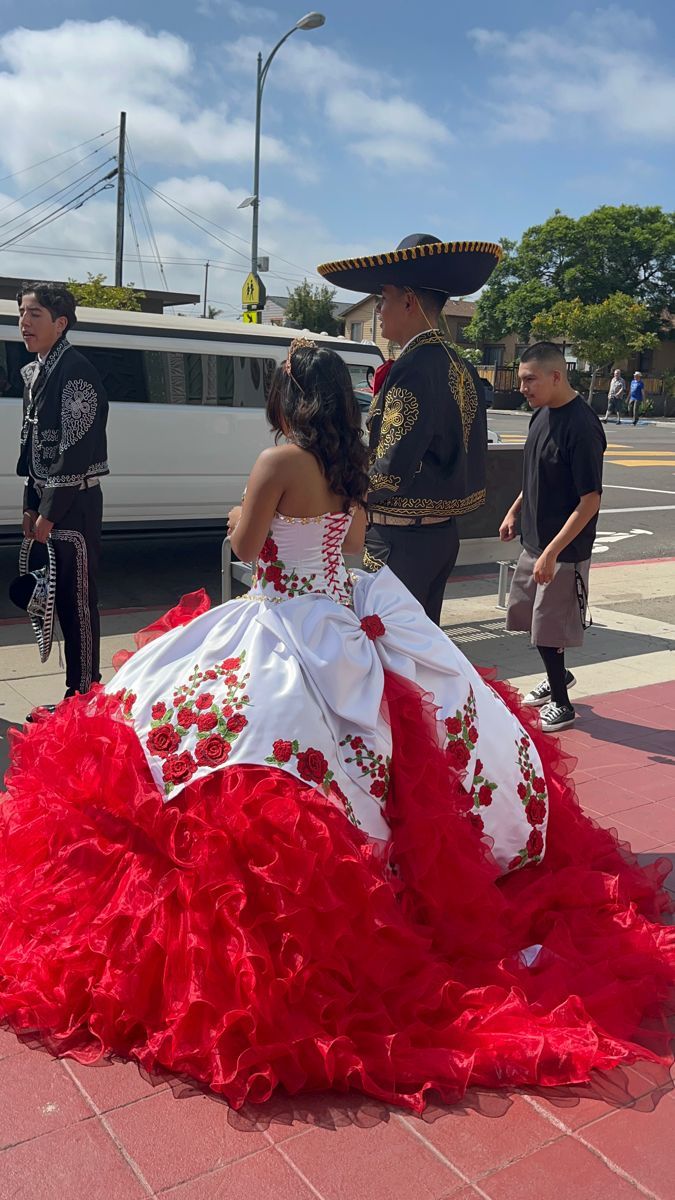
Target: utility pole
119, 237
206, 286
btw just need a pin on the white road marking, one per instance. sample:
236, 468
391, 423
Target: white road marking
626, 487
650, 508
610, 538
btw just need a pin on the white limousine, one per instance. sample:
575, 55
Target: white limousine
187, 409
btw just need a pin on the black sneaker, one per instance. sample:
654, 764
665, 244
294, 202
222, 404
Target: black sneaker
555, 717
39, 713
541, 694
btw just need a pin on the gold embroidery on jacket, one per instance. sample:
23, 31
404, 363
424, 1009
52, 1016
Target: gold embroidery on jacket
408, 506
370, 563
401, 410
387, 483
463, 389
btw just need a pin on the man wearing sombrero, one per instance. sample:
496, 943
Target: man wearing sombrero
427, 425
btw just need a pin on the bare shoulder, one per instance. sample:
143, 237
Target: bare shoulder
282, 461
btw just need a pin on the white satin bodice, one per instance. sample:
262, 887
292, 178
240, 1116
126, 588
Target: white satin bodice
303, 555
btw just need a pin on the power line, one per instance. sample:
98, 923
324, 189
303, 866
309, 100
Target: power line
145, 216
187, 218
70, 150
75, 202
48, 199
64, 171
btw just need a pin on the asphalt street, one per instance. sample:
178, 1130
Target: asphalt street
637, 515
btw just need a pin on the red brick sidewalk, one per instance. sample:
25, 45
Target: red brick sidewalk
74, 1133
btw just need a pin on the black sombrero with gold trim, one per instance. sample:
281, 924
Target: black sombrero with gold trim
419, 261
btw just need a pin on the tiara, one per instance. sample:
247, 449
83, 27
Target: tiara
299, 343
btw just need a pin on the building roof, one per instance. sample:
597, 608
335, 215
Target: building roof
339, 306
150, 300
452, 308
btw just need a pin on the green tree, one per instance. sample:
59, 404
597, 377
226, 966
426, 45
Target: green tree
600, 333
96, 293
625, 249
213, 313
311, 307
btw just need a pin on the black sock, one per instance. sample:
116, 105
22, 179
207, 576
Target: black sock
554, 661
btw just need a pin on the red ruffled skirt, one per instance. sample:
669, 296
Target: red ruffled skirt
246, 936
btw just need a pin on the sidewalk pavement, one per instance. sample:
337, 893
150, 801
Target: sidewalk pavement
101, 1133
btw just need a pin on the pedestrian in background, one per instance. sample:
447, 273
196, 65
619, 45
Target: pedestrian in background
558, 509
637, 392
615, 397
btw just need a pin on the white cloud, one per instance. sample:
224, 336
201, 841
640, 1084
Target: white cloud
148, 75
375, 123
601, 70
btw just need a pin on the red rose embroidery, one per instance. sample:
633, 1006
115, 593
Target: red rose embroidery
458, 754
273, 575
236, 723
231, 664
535, 843
535, 811
206, 721
539, 784
476, 820
485, 795
282, 751
526, 775
185, 717
211, 675
162, 741
453, 725
373, 627
212, 751
204, 701
128, 703
158, 710
515, 862
524, 741
312, 765
522, 790
357, 743
378, 788
269, 552
479, 767
227, 710
179, 768
473, 734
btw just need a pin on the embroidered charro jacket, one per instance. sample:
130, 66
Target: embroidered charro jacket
63, 437
428, 434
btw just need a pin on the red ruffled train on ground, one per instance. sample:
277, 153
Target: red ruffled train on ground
247, 937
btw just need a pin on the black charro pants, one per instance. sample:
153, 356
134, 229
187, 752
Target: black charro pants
421, 555
77, 546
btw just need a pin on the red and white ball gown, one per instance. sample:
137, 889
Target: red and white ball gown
299, 841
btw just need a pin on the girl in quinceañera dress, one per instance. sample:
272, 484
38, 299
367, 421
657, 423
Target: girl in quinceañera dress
299, 841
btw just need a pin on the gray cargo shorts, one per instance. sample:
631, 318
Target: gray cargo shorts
555, 613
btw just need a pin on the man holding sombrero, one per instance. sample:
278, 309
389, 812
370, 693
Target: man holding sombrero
427, 425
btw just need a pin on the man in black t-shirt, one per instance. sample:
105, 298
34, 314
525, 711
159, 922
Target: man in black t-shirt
558, 508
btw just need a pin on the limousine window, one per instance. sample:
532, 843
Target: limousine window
160, 376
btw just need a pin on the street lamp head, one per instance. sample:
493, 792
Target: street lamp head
249, 202
313, 20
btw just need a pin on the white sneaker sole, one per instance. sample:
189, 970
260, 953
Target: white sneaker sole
540, 702
560, 725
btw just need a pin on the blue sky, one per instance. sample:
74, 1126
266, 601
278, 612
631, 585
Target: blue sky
469, 121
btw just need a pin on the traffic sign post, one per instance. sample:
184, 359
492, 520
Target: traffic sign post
253, 297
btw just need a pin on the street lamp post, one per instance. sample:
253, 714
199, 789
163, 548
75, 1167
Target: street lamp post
313, 20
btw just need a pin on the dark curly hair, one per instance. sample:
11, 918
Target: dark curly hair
315, 405
55, 297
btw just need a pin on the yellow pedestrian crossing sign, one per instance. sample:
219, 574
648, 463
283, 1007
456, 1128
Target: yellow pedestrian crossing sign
251, 316
253, 294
